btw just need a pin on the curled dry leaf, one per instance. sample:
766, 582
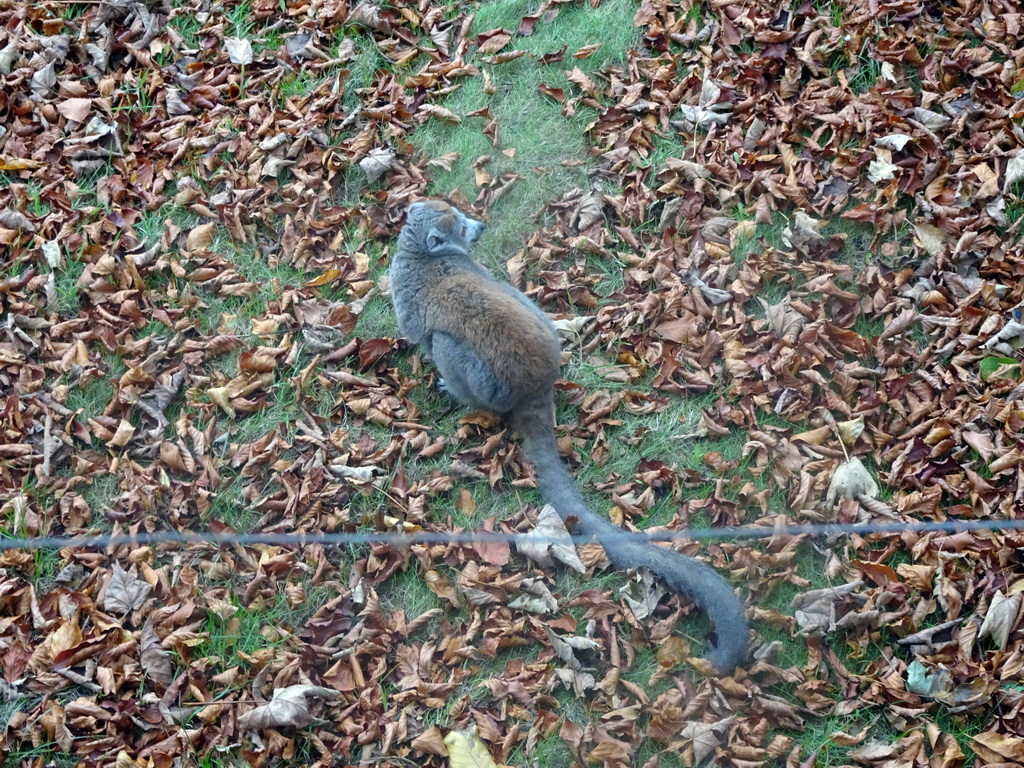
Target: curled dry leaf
8, 55
931, 238
200, 237
365, 474
895, 141
51, 252
239, 50
16, 220
445, 162
222, 397
784, 321
998, 748
712, 295
537, 598
44, 79
368, 15
122, 435
445, 115
642, 594
804, 232
716, 229
850, 430
431, 741
288, 708
900, 324
881, 169
850, 480
1000, 619
377, 162
19, 164
816, 611
1009, 339
705, 737
589, 211
710, 110
493, 40
933, 121
570, 328
75, 109
550, 541
1014, 171
566, 647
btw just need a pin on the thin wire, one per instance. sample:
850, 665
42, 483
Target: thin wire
439, 537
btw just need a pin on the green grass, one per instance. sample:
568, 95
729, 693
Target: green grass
377, 320
528, 121
364, 68
66, 286
407, 591
230, 639
550, 751
817, 738
91, 395
47, 753
230, 507
134, 93
185, 23
99, 492
298, 85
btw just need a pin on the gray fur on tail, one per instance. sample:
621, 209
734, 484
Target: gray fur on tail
683, 574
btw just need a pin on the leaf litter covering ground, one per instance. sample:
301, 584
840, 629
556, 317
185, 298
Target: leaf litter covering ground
788, 118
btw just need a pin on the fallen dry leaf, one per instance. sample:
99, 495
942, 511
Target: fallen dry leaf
289, 707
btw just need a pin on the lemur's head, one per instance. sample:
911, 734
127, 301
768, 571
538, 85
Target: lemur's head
435, 228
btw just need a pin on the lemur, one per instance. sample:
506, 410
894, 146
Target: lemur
497, 350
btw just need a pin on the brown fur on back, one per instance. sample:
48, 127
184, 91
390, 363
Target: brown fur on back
516, 346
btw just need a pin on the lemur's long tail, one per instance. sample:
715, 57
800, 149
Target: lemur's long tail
683, 574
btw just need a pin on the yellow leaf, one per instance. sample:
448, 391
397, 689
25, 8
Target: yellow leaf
19, 164
329, 276
221, 397
466, 750
812, 436
201, 236
850, 430
123, 434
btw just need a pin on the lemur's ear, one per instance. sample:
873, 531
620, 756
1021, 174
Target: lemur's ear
434, 239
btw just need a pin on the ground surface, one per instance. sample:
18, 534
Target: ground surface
783, 242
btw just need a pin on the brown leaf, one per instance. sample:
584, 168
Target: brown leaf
995, 748
705, 737
19, 164
493, 40
122, 435
589, 211
445, 162
156, 662
493, 552
431, 741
